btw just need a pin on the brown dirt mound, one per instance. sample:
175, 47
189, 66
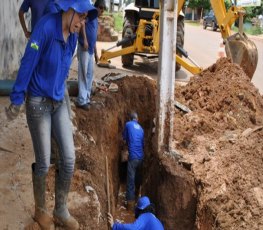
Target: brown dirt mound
217, 138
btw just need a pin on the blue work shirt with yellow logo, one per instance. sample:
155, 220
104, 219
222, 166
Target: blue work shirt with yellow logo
133, 134
46, 62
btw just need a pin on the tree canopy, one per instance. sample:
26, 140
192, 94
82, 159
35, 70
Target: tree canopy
205, 4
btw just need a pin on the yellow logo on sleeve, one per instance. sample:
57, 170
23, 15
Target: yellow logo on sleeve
34, 45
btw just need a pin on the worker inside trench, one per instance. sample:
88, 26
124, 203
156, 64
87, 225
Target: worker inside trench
121, 211
168, 185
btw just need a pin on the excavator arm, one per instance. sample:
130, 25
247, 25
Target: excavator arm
239, 48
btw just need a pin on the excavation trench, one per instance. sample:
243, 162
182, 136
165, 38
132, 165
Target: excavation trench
169, 185
216, 183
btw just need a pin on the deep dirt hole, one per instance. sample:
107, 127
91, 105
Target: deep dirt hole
170, 186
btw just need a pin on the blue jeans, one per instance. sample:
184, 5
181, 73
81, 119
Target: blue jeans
45, 117
133, 178
85, 75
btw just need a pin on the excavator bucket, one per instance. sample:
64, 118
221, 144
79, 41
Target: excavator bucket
242, 51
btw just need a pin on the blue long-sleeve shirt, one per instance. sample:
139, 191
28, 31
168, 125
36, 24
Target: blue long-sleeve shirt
46, 62
37, 9
91, 28
146, 221
133, 134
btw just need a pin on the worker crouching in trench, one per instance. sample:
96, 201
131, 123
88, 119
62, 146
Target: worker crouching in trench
144, 215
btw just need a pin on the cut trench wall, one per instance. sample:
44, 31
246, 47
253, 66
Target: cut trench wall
105, 125
12, 39
170, 186
173, 189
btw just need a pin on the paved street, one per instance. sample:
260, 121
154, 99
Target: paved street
201, 45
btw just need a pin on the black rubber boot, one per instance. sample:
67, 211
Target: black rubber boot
39, 187
61, 214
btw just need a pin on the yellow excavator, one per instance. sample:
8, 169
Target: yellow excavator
141, 35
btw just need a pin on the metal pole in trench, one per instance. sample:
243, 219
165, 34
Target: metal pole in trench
166, 76
107, 187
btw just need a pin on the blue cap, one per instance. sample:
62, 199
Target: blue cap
80, 6
143, 202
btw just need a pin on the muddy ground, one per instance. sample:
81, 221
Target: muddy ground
213, 180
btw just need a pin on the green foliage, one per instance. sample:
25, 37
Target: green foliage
228, 4
254, 11
253, 30
118, 21
258, 10
192, 23
205, 4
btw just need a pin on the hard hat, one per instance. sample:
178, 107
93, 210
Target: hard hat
80, 6
143, 202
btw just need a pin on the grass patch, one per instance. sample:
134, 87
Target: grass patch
118, 20
118, 17
192, 23
254, 30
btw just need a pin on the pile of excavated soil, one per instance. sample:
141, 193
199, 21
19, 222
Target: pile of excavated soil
222, 139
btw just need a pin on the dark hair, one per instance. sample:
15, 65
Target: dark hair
133, 115
100, 3
150, 208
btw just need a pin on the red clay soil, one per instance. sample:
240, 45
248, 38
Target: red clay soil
222, 139
218, 182
98, 135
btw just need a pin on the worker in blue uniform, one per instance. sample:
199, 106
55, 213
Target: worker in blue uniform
133, 135
41, 82
145, 218
86, 50
37, 8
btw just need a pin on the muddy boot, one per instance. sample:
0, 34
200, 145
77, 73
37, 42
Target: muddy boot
61, 213
41, 215
130, 205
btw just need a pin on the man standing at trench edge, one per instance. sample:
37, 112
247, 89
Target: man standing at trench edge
133, 135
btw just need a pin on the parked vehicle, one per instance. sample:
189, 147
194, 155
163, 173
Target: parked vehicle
210, 21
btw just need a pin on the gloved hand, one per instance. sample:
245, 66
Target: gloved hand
13, 111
